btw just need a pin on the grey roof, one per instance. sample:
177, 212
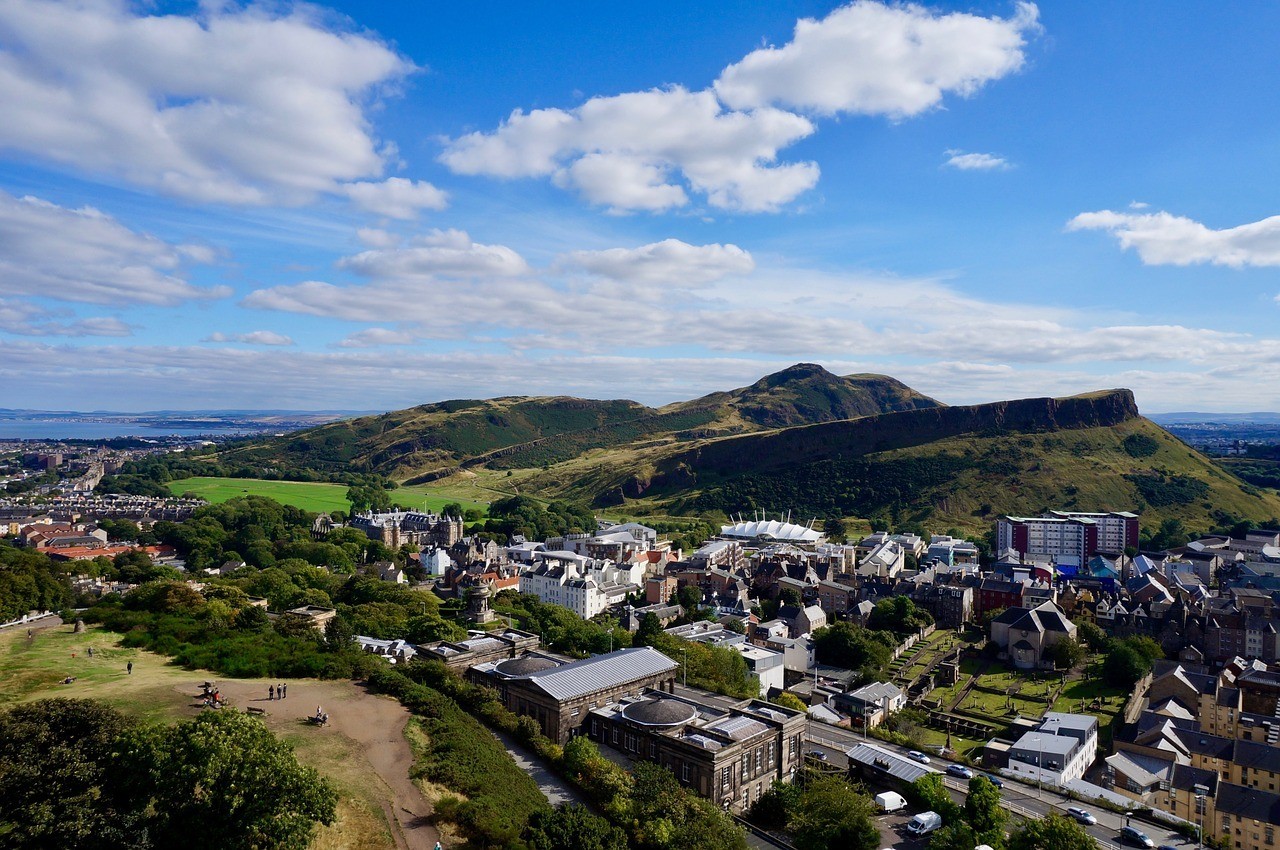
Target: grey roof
1058, 720
877, 691
600, 672
738, 728
1037, 742
1257, 756
660, 712
524, 666
1248, 803
888, 763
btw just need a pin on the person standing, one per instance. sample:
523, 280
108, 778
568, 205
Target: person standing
271, 692
284, 690
129, 667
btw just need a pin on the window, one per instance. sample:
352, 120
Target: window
726, 776
595, 727
684, 772
615, 736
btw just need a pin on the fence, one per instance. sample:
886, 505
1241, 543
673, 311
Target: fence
27, 618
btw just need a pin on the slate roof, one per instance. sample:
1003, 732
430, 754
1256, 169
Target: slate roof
580, 678
1248, 803
887, 763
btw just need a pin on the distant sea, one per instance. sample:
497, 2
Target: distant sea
55, 429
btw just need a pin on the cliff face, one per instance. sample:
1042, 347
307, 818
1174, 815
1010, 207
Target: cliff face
901, 430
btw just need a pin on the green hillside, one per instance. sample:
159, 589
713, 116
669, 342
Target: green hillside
957, 467
425, 442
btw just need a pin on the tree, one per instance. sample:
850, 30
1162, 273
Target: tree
956, 835
1093, 636
898, 614
831, 814
928, 792
1052, 832
834, 528
67, 779
689, 597
843, 644
790, 596
789, 700
224, 781
572, 826
1124, 666
772, 809
1068, 653
984, 811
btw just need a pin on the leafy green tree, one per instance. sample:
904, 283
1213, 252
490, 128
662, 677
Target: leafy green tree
984, 811
68, 778
572, 826
773, 808
1145, 646
834, 528
1092, 636
843, 644
789, 700
956, 835
790, 596
1124, 666
928, 792
1052, 832
668, 816
689, 597
899, 615
831, 814
224, 781
1067, 653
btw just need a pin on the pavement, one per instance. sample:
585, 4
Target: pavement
1024, 800
555, 789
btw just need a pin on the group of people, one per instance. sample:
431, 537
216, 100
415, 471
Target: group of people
279, 691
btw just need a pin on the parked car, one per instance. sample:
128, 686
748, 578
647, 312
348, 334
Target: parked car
1167, 847
1138, 838
994, 780
1081, 816
918, 756
960, 771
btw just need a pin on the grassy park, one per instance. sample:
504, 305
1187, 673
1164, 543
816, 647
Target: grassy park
309, 496
158, 691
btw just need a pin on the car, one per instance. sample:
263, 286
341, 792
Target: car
1167, 847
1138, 838
817, 754
960, 771
994, 780
918, 756
1081, 816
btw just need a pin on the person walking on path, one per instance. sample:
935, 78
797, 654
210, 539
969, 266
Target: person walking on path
129, 667
271, 692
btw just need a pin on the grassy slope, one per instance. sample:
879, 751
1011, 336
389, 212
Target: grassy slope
309, 496
157, 691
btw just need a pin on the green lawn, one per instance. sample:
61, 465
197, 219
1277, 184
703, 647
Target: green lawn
308, 496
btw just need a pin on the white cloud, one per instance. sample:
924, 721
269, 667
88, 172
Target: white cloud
242, 106
646, 150
1163, 239
670, 261
375, 337
372, 237
879, 59
25, 319
85, 255
444, 253
251, 338
975, 161
396, 197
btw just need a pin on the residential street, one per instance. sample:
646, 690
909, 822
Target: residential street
1022, 799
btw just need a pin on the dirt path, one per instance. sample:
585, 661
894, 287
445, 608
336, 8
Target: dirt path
375, 723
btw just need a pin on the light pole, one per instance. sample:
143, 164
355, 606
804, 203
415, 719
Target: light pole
1200, 819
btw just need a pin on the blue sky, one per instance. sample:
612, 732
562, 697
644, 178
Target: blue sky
374, 205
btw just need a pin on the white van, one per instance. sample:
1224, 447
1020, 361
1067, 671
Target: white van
890, 801
924, 823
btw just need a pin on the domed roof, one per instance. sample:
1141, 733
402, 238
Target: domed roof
524, 666
659, 712
770, 529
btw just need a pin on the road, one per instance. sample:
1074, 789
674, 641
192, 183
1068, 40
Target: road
1023, 800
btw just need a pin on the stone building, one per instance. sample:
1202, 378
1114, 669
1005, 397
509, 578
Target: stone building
559, 694
730, 755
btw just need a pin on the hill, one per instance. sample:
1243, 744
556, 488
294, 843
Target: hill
953, 467
519, 432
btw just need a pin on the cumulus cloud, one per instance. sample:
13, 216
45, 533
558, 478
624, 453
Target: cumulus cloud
975, 161
670, 261
26, 319
653, 150
396, 197
234, 105
85, 255
250, 338
877, 59
646, 150
1163, 239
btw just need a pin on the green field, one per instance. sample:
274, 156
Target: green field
308, 496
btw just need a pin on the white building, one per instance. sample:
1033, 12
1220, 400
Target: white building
1061, 749
581, 584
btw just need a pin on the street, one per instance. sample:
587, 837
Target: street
1023, 800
